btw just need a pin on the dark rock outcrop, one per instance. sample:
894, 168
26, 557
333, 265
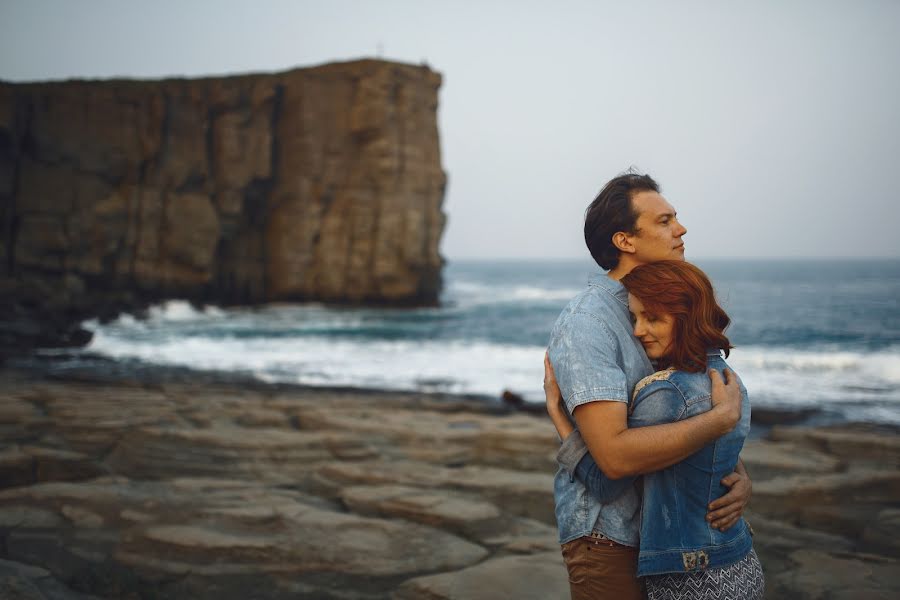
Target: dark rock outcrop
320, 184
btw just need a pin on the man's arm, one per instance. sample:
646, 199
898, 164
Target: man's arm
622, 452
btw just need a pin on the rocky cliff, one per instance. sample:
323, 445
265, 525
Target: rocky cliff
320, 184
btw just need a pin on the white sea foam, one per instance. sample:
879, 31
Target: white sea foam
182, 310
455, 367
524, 292
472, 293
306, 344
779, 376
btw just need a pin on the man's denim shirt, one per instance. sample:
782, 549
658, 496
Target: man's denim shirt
675, 536
596, 357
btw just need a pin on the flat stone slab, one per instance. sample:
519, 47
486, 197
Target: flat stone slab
416, 504
246, 527
849, 443
524, 494
818, 574
533, 577
765, 460
26, 582
218, 492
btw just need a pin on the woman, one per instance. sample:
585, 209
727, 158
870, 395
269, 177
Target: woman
677, 320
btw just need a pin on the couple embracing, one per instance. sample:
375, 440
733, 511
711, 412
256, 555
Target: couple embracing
651, 489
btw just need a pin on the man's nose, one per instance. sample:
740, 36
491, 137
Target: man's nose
681, 229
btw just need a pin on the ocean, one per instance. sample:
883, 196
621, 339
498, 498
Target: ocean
819, 334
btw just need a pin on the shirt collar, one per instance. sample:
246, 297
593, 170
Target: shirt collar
610, 286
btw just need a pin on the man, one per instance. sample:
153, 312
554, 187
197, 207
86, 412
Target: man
597, 362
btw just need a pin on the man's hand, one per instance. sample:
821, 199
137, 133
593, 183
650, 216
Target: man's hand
725, 511
726, 399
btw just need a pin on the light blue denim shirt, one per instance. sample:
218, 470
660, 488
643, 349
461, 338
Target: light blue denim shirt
596, 357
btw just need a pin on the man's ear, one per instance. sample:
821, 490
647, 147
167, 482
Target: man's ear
622, 241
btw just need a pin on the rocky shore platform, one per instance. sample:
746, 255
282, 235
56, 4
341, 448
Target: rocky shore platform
207, 490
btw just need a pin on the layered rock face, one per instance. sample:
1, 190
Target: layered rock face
315, 184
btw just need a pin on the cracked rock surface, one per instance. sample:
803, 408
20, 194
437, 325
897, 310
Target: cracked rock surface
220, 491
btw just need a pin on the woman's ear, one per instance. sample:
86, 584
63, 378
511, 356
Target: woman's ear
622, 241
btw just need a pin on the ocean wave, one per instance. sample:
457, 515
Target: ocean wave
456, 367
473, 293
881, 364
458, 350
824, 379
182, 310
178, 317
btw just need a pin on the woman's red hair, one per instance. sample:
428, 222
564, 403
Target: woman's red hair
680, 289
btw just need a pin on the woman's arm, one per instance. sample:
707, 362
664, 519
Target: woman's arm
574, 458
597, 483
554, 399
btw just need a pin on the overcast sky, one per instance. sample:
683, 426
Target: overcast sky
773, 127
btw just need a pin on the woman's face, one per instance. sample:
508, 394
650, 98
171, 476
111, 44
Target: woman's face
655, 331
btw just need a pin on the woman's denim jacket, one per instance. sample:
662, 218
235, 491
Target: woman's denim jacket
675, 536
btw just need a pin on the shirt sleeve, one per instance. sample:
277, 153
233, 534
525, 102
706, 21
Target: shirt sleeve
585, 355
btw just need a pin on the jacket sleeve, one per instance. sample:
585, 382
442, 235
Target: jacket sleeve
574, 457
659, 402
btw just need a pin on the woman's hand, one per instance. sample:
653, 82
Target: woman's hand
554, 398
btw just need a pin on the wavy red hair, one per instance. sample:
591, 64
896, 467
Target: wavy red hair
680, 289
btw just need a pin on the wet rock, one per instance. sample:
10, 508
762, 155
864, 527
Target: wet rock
842, 503
768, 459
247, 528
820, 574
519, 493
25, 582
852, 444
196, 489
537, 577
779, 416
444, 510
882, 534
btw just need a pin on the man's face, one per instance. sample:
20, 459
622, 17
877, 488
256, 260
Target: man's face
658, 235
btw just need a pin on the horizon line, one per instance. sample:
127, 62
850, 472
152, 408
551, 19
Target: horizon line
589, 259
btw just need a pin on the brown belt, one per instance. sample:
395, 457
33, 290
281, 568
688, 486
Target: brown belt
598, 539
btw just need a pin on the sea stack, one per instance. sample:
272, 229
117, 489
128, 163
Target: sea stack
316, 184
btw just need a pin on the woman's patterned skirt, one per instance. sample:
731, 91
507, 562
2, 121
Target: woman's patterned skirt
741, 581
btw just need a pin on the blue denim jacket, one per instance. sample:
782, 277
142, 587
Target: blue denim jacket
675, 537
596, 357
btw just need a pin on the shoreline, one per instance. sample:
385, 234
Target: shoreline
102, 369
